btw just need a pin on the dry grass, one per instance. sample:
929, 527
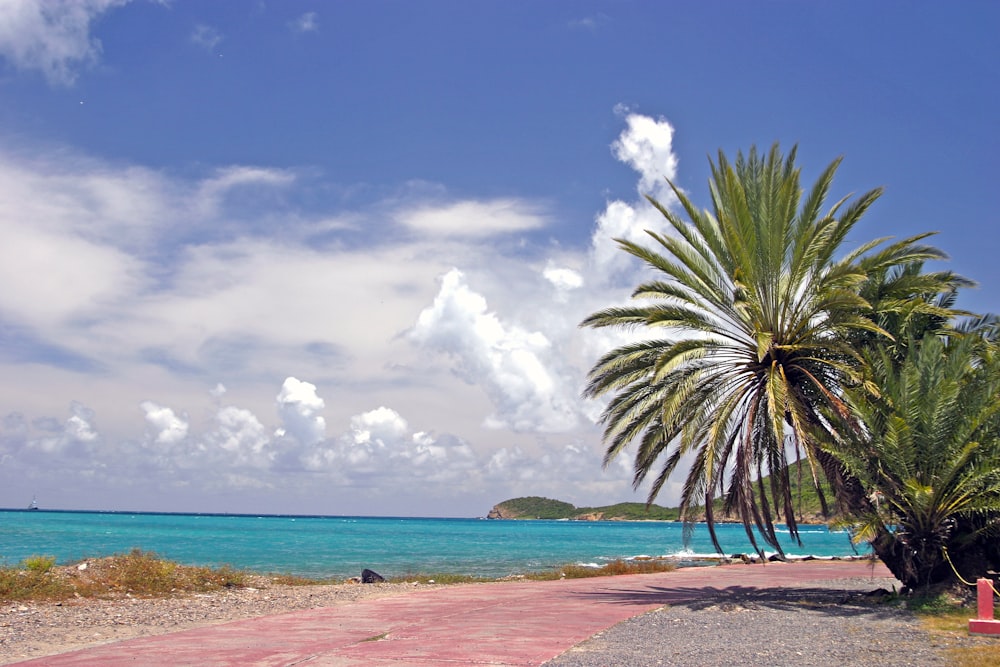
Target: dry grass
617, 567
144, 574
614, 568
137, 573
945, 617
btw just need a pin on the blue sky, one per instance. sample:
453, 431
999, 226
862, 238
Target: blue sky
330, 257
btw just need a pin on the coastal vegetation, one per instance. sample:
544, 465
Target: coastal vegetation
807, 506
145, 574
769, 344
535, 507
137, 573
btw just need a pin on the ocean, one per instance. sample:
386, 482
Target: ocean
335, 546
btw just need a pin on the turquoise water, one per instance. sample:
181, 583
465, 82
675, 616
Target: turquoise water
343, 546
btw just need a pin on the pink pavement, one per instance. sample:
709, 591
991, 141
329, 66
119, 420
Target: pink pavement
508, 623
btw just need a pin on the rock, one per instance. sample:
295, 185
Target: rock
879, 594
371, 577
497, 513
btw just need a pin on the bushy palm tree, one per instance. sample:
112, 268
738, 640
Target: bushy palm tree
927, 442
908, 302
751, 309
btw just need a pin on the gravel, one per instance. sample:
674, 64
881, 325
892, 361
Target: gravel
827, 623
36, 629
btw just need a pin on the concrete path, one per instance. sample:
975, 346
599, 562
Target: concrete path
522, 623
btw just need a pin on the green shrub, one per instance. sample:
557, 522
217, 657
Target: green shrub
39, 564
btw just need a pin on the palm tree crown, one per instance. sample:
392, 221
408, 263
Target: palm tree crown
930, 445
752, 311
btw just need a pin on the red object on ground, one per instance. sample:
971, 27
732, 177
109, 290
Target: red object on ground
507, 623
985, 623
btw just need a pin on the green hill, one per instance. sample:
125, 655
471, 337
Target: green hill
535, 507
806, 502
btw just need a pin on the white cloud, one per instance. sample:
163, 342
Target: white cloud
474, 219
206, 36
166, 426
236, 181
379, 425
646, 145
590, 23
79, 426
51, 36
177, 286
507, 361
299, 407
61, 277
308, 22
564, 279
380, 452
241, 435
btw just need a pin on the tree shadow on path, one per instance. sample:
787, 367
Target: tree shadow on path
833, 601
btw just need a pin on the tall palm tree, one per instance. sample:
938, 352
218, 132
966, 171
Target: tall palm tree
929, 445
750, 310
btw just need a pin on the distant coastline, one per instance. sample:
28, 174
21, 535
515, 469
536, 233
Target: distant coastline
530, 508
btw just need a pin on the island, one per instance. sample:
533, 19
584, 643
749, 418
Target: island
536, 507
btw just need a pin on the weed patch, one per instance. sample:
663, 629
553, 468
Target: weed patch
137, 573
617, 567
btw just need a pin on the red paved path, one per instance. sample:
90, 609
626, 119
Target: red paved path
523, 623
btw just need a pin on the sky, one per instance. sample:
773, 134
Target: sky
331, 257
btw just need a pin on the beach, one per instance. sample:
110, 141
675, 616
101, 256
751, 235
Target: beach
684, 622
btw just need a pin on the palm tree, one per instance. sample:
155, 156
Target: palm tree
929, 445
908, 302
752, 312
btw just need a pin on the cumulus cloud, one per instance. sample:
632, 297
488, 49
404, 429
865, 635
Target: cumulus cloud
166, 427
646, 145
506, 360
299, 407
380, 450
80, 426
52, 36
242, 437
44, 441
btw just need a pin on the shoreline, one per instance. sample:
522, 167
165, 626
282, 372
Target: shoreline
341, 548
37, 629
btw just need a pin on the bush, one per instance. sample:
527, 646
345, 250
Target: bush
34, 580
39, 564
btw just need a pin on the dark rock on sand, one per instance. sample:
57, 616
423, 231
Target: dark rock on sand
371, 577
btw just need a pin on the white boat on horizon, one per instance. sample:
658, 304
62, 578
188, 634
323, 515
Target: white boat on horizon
33, 505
